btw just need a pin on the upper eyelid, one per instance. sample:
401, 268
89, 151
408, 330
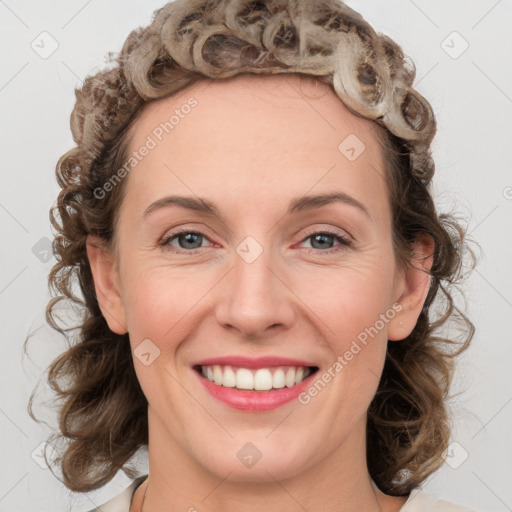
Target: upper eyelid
335, 231
201, 231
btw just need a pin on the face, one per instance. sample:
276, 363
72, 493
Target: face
266, 286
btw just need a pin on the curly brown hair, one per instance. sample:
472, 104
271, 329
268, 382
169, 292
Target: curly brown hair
103, 411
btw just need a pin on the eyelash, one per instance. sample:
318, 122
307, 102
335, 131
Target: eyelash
344, 242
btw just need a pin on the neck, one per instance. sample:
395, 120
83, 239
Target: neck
340, 482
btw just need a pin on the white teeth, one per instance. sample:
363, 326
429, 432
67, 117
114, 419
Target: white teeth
289, 380
261, 379
229, 377
217, 375
278, 379
244, 379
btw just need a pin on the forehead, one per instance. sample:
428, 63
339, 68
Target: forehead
261, 136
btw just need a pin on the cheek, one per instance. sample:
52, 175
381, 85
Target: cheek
352, 307
159, 301
347, 301
162, 305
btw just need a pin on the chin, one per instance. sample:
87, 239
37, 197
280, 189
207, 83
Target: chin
250, 459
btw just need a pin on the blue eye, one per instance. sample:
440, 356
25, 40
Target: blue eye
186, 240
326, 238
191, 241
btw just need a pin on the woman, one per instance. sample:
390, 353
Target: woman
248, 213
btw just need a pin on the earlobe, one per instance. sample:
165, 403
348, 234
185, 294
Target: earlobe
416, 284
106, 284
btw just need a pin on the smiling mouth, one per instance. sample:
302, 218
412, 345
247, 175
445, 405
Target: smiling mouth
255, 379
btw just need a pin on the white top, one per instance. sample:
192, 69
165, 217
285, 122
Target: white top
418, 501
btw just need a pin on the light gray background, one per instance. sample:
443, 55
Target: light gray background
472, 97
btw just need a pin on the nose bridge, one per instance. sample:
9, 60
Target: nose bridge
256, 298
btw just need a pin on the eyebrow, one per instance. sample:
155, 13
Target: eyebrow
298, 204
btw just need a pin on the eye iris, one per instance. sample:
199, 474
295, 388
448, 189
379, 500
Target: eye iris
321, 237
190, 238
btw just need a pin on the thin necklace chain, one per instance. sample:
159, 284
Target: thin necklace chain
147, 485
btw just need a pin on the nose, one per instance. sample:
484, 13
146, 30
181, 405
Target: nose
256, 301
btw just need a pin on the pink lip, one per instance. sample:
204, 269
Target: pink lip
248, 362
254, 401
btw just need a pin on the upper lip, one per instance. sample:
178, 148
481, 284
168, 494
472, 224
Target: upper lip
249, 362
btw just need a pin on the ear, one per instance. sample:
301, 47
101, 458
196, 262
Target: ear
414, 284
106, 284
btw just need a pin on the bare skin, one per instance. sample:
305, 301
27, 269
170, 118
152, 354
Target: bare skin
250, 146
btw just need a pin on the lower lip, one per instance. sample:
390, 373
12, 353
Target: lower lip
254, 401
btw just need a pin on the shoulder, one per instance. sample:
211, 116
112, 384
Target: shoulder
420, 501
121, 502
